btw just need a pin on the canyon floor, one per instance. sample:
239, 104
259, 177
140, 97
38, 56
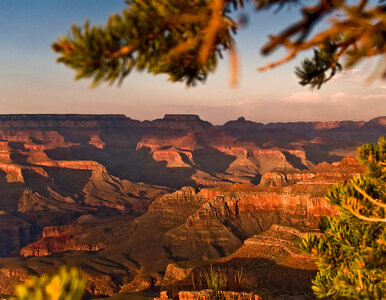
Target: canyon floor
141, 207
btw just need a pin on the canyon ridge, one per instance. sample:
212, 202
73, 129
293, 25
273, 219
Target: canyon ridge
147, 206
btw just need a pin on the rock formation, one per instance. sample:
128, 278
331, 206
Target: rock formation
57, 239
323, 173
269, 263
43, 191
208, 294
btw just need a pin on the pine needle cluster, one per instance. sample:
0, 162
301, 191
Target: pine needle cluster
182, 39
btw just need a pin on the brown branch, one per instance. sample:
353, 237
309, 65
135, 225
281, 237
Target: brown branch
310, 16
359, 216
64, 46
234, 66
209, 34
366, 196
290, 56
123, 51
361, 5
357, 24
185, 46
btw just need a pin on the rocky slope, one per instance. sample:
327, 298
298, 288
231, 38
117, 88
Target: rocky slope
269, 263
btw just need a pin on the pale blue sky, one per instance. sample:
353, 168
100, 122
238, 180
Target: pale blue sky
31, 81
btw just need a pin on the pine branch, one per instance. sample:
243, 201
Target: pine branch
184, 39
359, 216
376, 202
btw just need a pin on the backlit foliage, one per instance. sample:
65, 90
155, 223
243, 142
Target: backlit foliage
185, 39
67, 284
351, 255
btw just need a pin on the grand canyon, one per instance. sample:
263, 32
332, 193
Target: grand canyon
141, 207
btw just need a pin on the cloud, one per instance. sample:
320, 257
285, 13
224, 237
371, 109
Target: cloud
313, 98
351, 72
339, 96
350, 75
375, 96
303, 97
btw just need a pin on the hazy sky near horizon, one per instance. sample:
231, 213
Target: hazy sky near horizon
32, 82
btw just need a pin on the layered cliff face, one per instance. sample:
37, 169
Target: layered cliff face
220, 225
43, 191
185, 225
58, 239
73, 183
323, 173
219, 159
181, 150
321, 141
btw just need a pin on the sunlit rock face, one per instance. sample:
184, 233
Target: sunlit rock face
322, 174
57, 239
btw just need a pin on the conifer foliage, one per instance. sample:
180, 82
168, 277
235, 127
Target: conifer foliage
66, 284
351, 253
176, 37
185, 39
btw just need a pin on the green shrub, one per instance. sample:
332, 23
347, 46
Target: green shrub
67, 284
351, 253
216, 282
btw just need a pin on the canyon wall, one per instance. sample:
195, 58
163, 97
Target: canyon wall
126, 201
